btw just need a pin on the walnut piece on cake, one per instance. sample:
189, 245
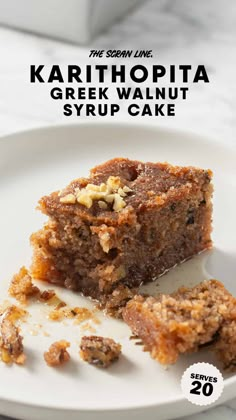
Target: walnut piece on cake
185, 321
99, 351
124, 225
57, 353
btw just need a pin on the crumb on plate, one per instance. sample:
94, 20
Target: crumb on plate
11, 342
99, 351
78, 314
21, 287
57, 353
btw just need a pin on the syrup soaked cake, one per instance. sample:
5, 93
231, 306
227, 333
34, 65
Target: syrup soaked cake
186, 321
126, 224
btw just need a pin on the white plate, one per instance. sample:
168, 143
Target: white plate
35, 163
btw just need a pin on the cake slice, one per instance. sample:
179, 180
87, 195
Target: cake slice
186, 321
126, 224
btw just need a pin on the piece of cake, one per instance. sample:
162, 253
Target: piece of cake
185, 321
99, 351
125, 225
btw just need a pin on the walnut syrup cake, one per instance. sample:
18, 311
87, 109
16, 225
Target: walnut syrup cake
124, 225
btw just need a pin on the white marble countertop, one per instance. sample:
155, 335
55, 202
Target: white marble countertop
178, 31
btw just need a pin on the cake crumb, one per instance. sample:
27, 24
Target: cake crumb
48, 295
14, 313
21, 287
4, 306
78, 314
34, 332
11, 342
87, 327
57, 353
99, 351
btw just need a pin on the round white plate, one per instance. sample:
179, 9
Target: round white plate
37, 162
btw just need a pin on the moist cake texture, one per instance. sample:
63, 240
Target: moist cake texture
126, 224
186, 321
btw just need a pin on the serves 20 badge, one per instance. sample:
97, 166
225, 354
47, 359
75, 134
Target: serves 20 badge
202, 383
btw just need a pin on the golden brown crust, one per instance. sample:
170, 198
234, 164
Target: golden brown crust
185, 321
99, 351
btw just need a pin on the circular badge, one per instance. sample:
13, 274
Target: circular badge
202, 383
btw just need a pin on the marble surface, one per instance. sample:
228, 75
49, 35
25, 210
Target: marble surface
178, 32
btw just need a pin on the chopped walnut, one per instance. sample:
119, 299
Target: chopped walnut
11, 346
21, 287
68, 199
110, 192
103, 205
99, 351
87, 327
57, 353
104, 239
